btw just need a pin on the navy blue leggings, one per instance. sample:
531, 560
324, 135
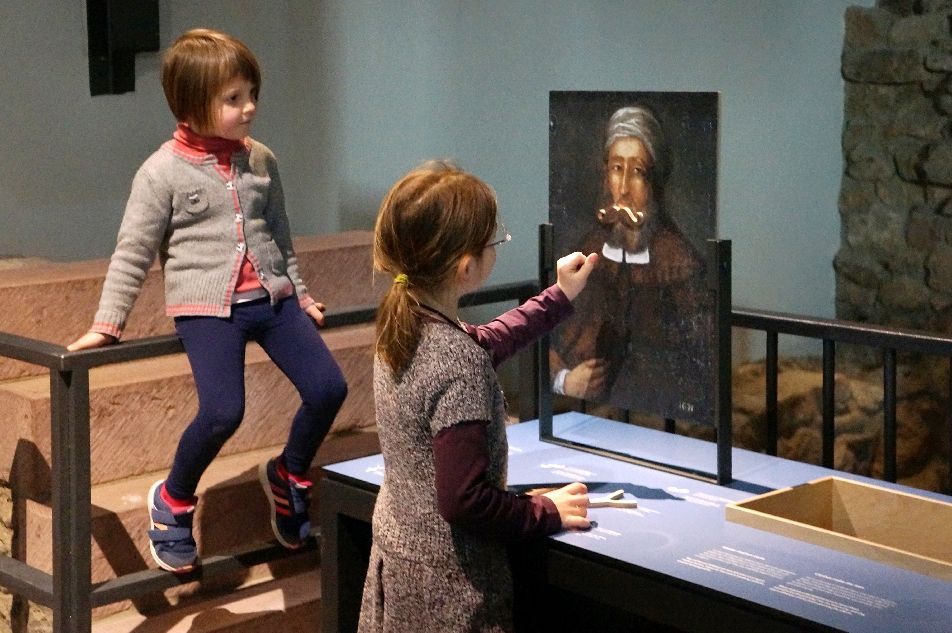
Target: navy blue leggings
216, 351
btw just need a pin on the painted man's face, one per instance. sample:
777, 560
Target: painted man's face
626, 175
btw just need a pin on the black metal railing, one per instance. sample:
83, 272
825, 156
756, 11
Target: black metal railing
889, 341
69, 590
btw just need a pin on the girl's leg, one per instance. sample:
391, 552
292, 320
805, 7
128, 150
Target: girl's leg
216, 351
292, 341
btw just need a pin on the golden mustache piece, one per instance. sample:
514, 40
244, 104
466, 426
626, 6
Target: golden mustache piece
619, 213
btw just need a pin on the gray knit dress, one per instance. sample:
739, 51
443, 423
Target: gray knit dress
426, 574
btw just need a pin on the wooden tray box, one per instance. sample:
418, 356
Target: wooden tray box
877, 523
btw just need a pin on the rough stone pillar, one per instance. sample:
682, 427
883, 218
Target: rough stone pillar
894, 266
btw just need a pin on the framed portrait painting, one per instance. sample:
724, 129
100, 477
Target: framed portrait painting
633, 177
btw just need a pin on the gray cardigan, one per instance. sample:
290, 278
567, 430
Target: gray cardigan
200, 220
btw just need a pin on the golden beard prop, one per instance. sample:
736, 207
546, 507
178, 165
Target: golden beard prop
630, 229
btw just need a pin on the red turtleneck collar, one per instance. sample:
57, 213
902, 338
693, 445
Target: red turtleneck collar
193, 142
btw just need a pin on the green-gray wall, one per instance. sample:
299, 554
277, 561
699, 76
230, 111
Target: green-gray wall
357, 92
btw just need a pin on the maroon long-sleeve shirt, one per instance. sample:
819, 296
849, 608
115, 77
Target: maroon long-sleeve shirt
464, 496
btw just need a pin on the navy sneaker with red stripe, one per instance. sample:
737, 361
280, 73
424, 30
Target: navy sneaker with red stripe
170, 536
289, 498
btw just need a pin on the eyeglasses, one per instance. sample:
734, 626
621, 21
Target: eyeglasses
502, 236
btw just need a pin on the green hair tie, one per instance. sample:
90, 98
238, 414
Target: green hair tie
401, 279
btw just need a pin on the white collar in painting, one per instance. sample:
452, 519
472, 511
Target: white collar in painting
618, 255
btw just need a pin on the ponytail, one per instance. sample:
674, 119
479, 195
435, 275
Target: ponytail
398, 326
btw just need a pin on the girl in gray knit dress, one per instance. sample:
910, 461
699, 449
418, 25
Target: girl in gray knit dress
443, 516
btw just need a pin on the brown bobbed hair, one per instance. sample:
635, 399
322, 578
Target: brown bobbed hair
428, 221
196, 67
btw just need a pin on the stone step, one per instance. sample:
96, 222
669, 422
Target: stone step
232, 512
288, 605
55, 302
139, 410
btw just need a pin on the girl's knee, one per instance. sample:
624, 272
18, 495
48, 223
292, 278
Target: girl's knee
328, 393
336, 391
222, 420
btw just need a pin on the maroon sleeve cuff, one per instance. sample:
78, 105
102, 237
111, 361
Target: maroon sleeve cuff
551, 516
465, 497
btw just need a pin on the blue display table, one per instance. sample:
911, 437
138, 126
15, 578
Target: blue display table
674, 560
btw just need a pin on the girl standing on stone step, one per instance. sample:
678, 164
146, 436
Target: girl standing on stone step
209, 203
443, 516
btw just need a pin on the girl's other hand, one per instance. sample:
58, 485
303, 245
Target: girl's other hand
316, 312
572, 503
573, 271
90, 340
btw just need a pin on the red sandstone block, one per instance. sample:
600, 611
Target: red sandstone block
338, 269
289, 605
55, 302
139, 410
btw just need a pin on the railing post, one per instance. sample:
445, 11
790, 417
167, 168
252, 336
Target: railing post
770, 388
72, 549
889, 415
828, 433
948, 422
528, 378
544, 397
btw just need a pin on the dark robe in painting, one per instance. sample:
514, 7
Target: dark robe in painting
653, 325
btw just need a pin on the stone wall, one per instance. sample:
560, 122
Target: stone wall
894, 266
922, 457
922, 453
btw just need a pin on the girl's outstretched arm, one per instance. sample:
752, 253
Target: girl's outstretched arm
508, 333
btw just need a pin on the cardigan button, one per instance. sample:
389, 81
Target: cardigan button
240, 246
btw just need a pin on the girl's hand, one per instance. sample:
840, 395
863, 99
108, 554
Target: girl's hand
316, 312
90, 340
573, 271
572, 502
